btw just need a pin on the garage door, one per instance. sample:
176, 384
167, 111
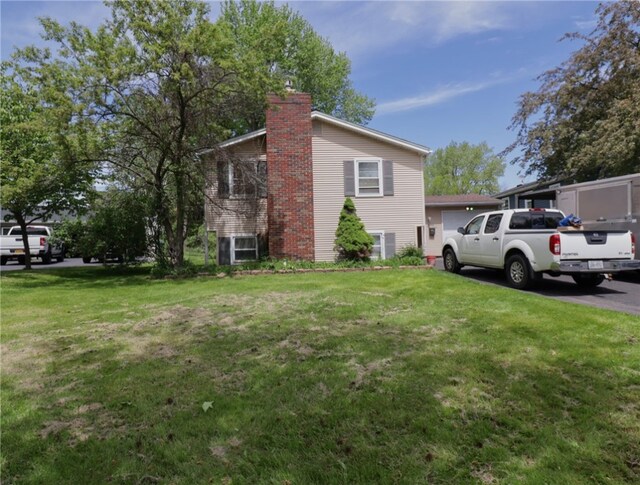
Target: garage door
452, 220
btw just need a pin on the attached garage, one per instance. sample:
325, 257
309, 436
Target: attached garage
453, 219
446, 213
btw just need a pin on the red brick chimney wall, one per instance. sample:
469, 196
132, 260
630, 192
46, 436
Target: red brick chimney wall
290, 177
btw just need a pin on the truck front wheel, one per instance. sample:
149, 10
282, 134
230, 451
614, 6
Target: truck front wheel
518, 272
451, 263
3, 260
588, 280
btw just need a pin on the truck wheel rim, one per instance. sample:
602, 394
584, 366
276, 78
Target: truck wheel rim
517, 272
449, 261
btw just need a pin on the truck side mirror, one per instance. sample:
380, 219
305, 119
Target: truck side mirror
461, 230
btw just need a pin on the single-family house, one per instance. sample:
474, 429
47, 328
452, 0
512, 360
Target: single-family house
278, 191
540, 194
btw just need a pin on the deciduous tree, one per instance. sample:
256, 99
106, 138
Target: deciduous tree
584, 120
158, 81
280, 45
37, 177
462, 168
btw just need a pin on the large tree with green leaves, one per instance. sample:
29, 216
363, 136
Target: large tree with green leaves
159, 82
463, 168
584, 120
279, 44
39, 174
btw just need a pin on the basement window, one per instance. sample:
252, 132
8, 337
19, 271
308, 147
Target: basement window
244, 248
378, 244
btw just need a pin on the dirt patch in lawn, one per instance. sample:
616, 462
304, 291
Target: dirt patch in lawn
364, 371
89, 420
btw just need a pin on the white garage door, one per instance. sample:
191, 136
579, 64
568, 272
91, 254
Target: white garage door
452, 220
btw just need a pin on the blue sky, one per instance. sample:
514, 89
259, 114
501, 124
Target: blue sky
439, 71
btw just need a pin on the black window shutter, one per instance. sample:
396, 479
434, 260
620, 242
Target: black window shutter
223, 179
262, 180
349, 178
263, 246
387, 173
224, 251
389, 244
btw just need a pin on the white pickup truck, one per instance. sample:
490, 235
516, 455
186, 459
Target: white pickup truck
12, 245
526, 243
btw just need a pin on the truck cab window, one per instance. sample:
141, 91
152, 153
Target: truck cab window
474, 226
493, 223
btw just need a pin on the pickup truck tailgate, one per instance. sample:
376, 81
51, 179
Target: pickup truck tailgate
595, 245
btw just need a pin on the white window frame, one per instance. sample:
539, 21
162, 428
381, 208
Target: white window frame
381, 234
230, 178
357, 163
233, 248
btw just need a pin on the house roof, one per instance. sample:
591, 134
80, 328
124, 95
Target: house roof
530, 187
317, 115
461, 200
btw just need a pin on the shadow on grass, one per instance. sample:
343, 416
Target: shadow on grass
82, 277
282, 415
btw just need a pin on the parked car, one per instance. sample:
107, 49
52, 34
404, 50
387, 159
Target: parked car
12, 245
527, 243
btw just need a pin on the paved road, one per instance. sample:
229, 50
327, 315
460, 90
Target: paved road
621, 294
36, 264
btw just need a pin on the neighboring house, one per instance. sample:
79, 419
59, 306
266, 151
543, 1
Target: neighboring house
278, 191
7, 220
446, 213
538, 194
605, 204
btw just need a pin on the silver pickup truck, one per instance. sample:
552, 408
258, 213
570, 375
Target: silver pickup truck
527, 243
12, 245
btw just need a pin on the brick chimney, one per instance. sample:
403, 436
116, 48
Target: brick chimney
290, 177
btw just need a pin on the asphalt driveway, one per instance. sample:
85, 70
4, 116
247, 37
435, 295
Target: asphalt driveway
621, 294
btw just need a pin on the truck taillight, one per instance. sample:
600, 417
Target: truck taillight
43, 241
633, 244
554, 244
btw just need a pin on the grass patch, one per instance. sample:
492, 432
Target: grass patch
380, 377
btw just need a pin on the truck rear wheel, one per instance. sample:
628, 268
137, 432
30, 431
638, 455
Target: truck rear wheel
46, 258
518, 272
86, 259
451, 263
3, 260
588, 280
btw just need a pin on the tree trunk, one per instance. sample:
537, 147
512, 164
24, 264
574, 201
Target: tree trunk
179, 234
25, 239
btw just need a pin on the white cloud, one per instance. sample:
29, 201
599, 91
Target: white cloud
437, 96
361, 28
450, 91
586, 24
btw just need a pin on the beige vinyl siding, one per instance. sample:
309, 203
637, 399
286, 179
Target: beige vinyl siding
237, 216
433, 244
400, 213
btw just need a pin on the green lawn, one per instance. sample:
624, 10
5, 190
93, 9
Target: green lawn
368, 377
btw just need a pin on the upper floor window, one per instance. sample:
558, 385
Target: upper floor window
368, 177
242, 179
